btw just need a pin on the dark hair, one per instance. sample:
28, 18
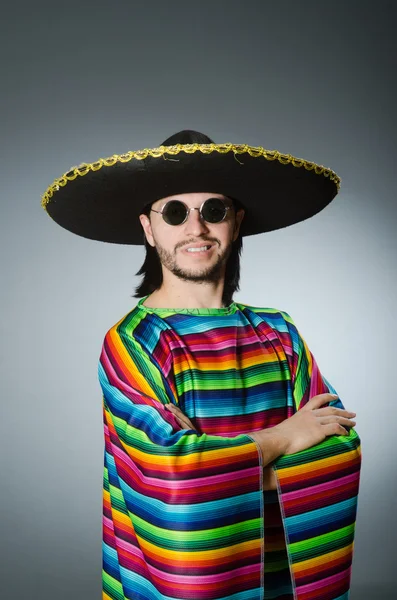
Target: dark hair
151, 268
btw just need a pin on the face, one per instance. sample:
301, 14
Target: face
172, 241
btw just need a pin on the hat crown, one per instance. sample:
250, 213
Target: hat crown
187, 136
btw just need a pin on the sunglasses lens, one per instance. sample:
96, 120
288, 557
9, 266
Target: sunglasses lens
174, 213
214, 210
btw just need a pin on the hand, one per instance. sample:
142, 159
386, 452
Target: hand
311, 424
181, 418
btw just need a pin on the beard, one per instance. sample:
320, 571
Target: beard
198, 274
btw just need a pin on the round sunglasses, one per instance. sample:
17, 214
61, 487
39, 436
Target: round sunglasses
175, 212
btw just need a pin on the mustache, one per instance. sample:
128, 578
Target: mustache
201, 241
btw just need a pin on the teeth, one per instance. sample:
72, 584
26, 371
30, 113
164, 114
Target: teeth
202, 249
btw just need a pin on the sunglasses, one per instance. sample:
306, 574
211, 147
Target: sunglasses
175, 212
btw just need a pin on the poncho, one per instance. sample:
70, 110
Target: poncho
185, 515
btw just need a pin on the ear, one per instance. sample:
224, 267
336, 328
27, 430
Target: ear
147, 228
237, 223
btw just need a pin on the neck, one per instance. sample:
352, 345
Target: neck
172, 298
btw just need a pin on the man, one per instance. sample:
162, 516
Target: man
231, 471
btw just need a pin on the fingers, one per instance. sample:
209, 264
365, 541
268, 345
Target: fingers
337, 419
332, 410
319, 400
331, 418
181, 418
335, 429
316, 403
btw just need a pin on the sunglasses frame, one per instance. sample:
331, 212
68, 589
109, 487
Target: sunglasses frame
188, 210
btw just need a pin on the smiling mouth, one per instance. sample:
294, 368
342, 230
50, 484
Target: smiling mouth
199, 250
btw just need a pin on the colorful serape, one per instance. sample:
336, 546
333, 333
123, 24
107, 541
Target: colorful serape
185, 516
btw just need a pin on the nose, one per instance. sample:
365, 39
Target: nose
194, 224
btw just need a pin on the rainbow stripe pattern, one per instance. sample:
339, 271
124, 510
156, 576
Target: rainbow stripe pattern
185, 513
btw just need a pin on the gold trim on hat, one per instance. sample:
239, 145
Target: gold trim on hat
161, 151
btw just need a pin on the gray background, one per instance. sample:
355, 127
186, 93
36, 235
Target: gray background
81, 81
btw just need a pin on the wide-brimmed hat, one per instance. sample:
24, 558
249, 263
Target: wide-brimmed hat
103, 200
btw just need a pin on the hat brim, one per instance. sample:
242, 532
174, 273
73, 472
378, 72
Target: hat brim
103, 200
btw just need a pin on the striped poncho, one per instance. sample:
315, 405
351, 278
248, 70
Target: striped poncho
185, 515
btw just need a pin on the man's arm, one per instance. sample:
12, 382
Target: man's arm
274, 446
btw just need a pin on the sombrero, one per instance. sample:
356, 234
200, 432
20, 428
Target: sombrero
103, 200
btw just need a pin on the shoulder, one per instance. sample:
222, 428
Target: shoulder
275, 317
127, 326
138, 333
279, 321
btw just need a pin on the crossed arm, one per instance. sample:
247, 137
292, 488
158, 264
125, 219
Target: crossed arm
269, 476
